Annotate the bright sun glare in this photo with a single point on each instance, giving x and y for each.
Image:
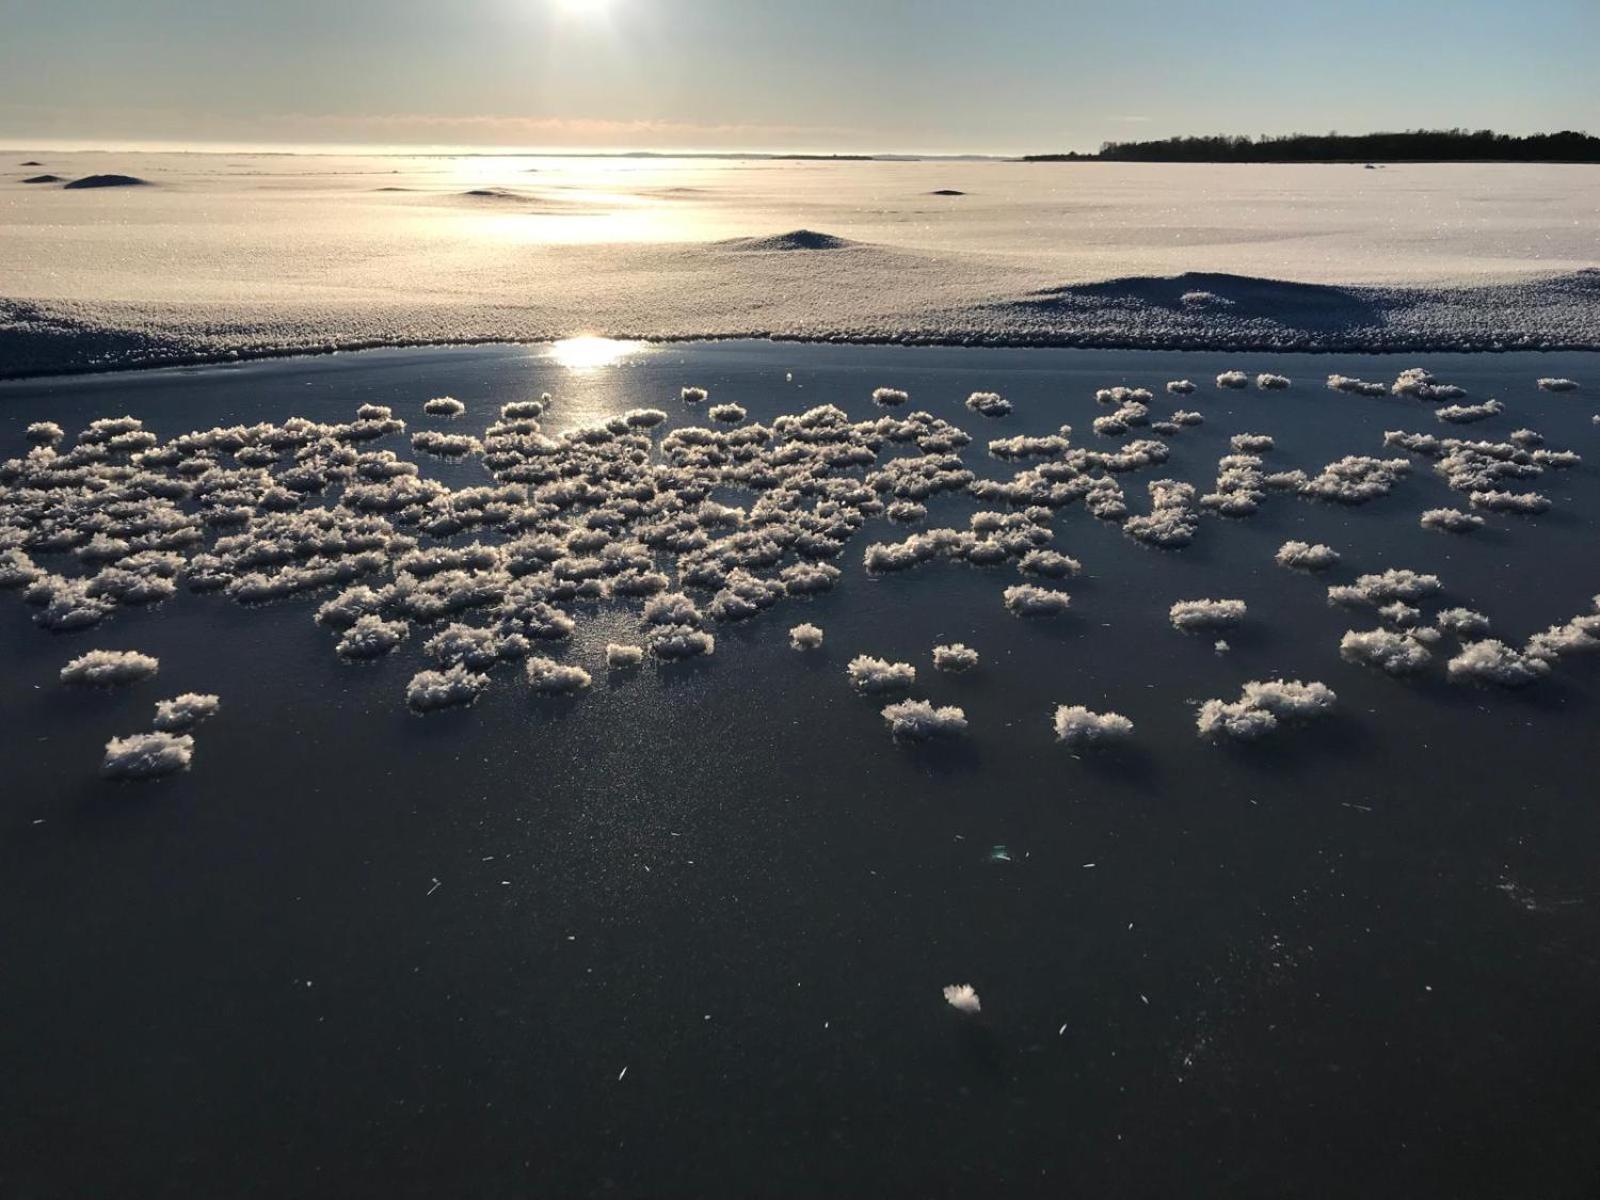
(584, 8)
(589, 353)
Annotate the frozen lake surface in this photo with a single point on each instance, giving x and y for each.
(686, 933)
(225, 254)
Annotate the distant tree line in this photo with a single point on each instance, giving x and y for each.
(1433, 145)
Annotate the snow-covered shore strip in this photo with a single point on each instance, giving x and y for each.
(821, 303)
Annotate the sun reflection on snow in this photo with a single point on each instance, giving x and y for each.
(589, 353)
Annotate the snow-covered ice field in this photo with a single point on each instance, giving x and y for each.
(231, 254)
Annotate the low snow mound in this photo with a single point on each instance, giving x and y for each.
(106, 181)
(1211, 300)
(493, 193)
(795, 239)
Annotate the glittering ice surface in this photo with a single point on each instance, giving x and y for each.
(686, 930)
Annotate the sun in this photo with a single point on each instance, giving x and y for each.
(584, 8)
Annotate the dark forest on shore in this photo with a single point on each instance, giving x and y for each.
(1427, 145)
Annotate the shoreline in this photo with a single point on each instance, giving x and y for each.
(241, 357)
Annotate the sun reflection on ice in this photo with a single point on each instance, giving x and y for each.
(590, 353)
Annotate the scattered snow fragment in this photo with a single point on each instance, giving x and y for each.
(955, 658)
(147, 755)
(429, 691)
(1356, 387)
(1451, 520)
(988, 404)
(620, 657)
(1027, 600)
(1191, 615)
(805, 637)
(870, 674)
(109, 668)
(1304, 556)
(1394, 653)
(184, 712)
(963, 998)
(918, 720)
(1077, 726)
(1494, 662)
(550, 678)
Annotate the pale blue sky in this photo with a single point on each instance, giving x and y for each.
(932, 76)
